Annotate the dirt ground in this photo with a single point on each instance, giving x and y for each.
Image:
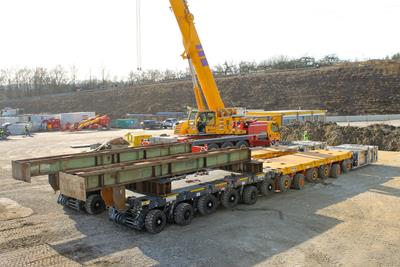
(350, 221)
(386, 137)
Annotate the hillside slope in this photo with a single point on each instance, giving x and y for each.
(359, 88)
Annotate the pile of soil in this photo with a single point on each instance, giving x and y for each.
(348, 89)
(386, 137)
(9, 209)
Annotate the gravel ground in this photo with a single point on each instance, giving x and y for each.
(350, 221)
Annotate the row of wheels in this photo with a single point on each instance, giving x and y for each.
(215, 146)
(312, 175)
(155, 220)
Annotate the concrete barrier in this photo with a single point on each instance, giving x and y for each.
(363, 118)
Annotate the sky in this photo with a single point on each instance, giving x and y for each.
(101, 34)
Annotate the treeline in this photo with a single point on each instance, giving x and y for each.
(27, 82)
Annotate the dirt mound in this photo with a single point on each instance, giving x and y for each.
(357, 88)
(385, 136)
(9, 209)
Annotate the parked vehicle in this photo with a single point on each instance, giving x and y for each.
(4, 133)
(169, 123)
(151, 124)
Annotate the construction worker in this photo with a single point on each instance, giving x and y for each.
(305, 136)
(27, 132)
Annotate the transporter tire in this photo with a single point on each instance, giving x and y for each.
(250, 194)
(298, 181)
(94, 204)
(267, 187)
(227, 145)
(155, 221)
(242, 144)
(183, 214)
(346, 166)
(207, 204)
(323, 171)
(230, 198)
(335, 171)
(284, 183)
(211, 147)
(312, 175)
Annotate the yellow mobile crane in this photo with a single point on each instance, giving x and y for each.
(211, 118)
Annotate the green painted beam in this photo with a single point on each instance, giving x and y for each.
(25, 169)
(96, 178)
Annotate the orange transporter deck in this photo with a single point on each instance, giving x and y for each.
(302, 161)
(272, 152)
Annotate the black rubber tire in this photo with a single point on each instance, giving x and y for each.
(183, 214)
(94, 204)
(312, 175)
(346, 166)
(284, 183)
(211, 147)
(250, 195)
(323, 171)
(155, 221)
(227, 145)
(267, 187)
(207, 204)
(230, 198)
(298, 181)
(335, 171)
(242, 144)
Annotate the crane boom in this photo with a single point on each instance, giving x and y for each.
(195, 53)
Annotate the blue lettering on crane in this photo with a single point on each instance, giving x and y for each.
(202, 55)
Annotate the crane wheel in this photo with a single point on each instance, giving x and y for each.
(267, 187)
(230, 198)
(183, 214)
(346, 166)
(312, 175)
(211, 147)
(155, 221)
(250, 194)
(323, 171)
(298, 181)
(207, 204)
(242, 144)
(335, 171)
(227, 145)
(284, 183)
(94, 204)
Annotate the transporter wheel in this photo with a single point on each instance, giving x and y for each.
(242, 144)
(267, 187)
(298, 181)
(155, 221)
(335, 171)
(312, 175)
(284, 183)
(323, 171)
(211, 147)
(183, 214)
(207, 204)
(94, 204)
(230, 198)
(227, 145)
(346, 166)
(250, 195)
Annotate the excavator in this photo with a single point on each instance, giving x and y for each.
(212, 119)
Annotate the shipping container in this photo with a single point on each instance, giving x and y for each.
(76, 117)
